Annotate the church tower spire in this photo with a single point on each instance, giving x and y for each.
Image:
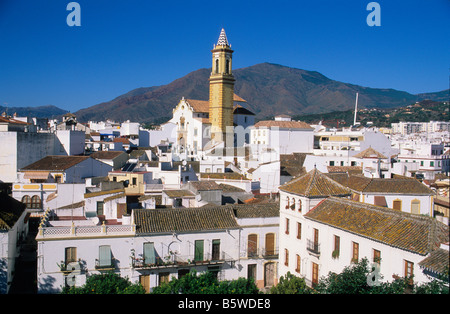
(221, 88)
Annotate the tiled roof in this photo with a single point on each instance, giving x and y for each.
(10, 211)
(205, 185)
(198, 105)
(315, 184)
(178, 193)
(184, 220)
(370, 153)
(398, 185)
(55, 163)
(437, 262)
(106, 154)
(283, 124)
(257, 210)
(416, 233)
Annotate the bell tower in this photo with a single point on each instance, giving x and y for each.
(221, 88)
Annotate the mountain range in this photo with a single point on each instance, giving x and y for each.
(269, 89)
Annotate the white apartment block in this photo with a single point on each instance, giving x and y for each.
(338, 232)
(152, 246)
(405, 128)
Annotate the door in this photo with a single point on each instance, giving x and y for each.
(315, 274)
(145, 282)
(270, 244)
(269, 274)
(216, 250)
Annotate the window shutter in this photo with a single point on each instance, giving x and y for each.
(149, 253)
(105, 255)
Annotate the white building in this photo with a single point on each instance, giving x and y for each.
(338, 232)
(151, 246)
(13, 231)
(282, 134)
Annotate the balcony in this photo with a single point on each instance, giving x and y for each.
(265, 253)
(175, 260)
(313, 247)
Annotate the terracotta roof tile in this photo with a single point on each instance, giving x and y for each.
(283, 124)
(370, 153)
(55, 163)
(184, 220)
(315, 184)
(416, 233)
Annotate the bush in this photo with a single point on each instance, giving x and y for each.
(206, 283)
(109, 283)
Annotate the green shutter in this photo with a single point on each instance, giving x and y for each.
(149, 253)
(105, 255)
(198, 256)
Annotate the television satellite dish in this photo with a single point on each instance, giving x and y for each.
(184, 162)
(96, 220)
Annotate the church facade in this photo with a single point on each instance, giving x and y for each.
(202, 125)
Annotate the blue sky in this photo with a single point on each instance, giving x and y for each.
(123, 45)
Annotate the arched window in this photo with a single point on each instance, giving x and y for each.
(35, 202)
(27, 201)
(287, 202)
(227, 67)
(217, 65)
(299, 205)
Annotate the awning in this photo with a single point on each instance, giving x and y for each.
(36, 175)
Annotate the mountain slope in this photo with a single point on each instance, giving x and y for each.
(38, 112)
(269, 89)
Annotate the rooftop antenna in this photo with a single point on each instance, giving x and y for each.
(356, 109)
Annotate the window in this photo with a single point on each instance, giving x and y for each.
(415, 206)
(35, 202)
(287, 226)
(27, 201)
(297, 264)
(270, 244)
(198, 254)
(217, 65)
(376, 256)
(337, 247)
(149, 253)
(215, 250)
(299, 230)
(397, 204)
(251, 271)
(134, 182)
(409, 269)
(105, 256)
(252, 245)
(421, 163)
(227, 67)
(299, 206)
(100, 208)
(70, 255)
(355, 252)
(286, 257)
(287, 202)
(195, 131)
(431, 163)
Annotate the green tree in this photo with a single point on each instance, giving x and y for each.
(206, 283)
(109, 283)
(353, 280)
(291, 284)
